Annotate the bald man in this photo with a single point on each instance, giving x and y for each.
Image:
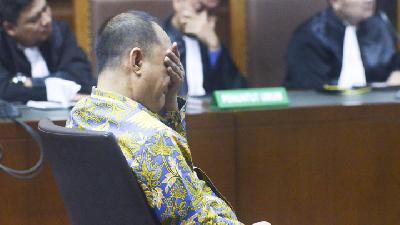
(136, 100)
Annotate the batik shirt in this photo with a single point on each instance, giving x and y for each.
(156, 149)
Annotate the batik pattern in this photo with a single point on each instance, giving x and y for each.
(158, 155)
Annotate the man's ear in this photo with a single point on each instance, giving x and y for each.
(9, 28)
(136, 60)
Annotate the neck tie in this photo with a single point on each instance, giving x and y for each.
(194, 67)
(38, 65)
(353, 72)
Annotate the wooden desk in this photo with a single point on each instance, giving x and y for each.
(328, 160)
(322, 165)
(325, 160)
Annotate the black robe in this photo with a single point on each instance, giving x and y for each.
(223, 75)
(314, 55)
(63, 57)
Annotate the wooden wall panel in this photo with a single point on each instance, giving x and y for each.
(62, 10)
(337, 169)
(81, 21)
(33, 202)
(238, 34)
(211, 139)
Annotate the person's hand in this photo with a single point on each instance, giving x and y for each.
(28, 83)
(202, 26)
(176, 73)
(394, 79)
(262, 223)
(78, 97)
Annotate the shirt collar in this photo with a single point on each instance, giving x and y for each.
(119, 99)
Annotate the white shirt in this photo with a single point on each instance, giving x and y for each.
(194, 67)
(39, 67)
(353, 72)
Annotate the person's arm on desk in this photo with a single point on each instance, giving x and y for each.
(394, 79)
(21, 92)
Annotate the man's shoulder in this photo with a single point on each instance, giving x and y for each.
(60, 28)
(148, 122)
(7, 45)
(61, 34)
(167, 23)
(4, 39)
(128, 115)
(316, 21)
(315, 30)
(2, 34)
(376, 24)
(171, 31)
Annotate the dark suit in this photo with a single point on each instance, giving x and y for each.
(63, 57)
(223, 75)
(314, 55)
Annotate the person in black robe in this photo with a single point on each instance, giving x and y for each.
(315, 53)
(28, 24)
(195, 19)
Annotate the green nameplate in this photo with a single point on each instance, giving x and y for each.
(251, 97)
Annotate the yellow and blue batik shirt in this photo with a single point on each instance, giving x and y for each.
(156, 149)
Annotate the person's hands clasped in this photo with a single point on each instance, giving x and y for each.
(202, 26)
(176, 73)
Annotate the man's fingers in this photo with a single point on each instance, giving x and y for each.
(172, 72)
(175, 50)
(173, 53)
(178, 68)
(176, 78)
(177, 71)
(173, 64)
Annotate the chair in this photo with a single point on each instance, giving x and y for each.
(97, 185)
(270, 24)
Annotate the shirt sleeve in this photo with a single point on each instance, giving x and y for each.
(213, 56)
(176, 119)
(16, 92)
(165, 172)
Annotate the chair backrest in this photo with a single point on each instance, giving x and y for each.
(101, 10)
(97, 185)
(270, 24)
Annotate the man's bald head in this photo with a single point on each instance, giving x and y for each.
(120, 34)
